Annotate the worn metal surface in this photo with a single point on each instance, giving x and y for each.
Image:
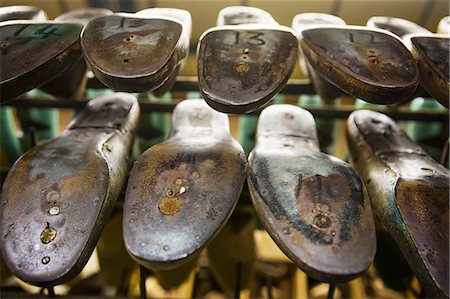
(245, 61)
(432, 53)
(181, 192)
(58, 195)
(185, 19)
(398, 26)
(307, 20)
(409, 194)
(312, 204)
(71, 84)
(322, 87)
(35, 53)
(368, 64)
(22, 12)
(131, 53)
(240, 68)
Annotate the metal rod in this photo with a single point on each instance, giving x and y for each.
(269, 287)
(326, 111)
(237, 283)
(51, 292)
(331, 291)
(422, 294)
(142, 287)
(33, 136)
(122, 288)
(445, 154)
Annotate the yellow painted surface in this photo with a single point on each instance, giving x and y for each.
(76, 4)
(356, 289)
(300, 285)
(267, 250)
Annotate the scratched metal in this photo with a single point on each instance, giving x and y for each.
(57, 197)
(185, 19)
(366, 64)
(312, 204)
(240, 68)
(433, 54)
(181, 192)
(303, 21)
(35, 53)
(71, 84)
(409, 193)
(237, 15)
(131, 53)
(398, 26)
(22, 12)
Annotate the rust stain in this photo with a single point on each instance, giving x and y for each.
(62, 56)
(48, 234)
(424, 206)
(242, 67)
(374, 59)
(131, 46)
(169, 206)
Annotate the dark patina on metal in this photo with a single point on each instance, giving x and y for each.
(71, 84)
(409, 194)
(301, 22)
(57, 197)
(432, 53)
(368, 64)
(312, 204)
(131, 53)
(243, 66)
(184, 17)
(240, 69)
(35, 53)
(181, 192)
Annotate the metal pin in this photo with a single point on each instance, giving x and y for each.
(142, 287)
(33, 136)
(237, 283)
(331, 291)
(51, 292)
(269, 287)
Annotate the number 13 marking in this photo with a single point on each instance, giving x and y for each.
(254, 38)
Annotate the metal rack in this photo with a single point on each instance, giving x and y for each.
(293, 87)
(267, 253)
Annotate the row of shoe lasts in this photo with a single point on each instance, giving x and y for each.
(58, 196)
(241, 64)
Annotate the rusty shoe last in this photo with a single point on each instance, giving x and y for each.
(409, 192)
(313, 205)
(57, 197)
(181, 192)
